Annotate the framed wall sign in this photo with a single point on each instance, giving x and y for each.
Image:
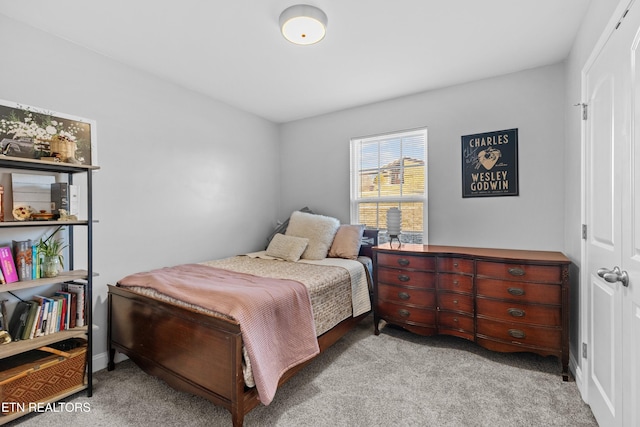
(490, 164)
(34, 133)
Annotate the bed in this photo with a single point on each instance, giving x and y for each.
(188, 340)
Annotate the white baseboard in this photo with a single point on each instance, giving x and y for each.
(577, 374)
(101, 360)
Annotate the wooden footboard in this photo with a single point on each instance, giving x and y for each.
(190, 351)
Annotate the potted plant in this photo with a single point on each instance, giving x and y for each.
(50, 250)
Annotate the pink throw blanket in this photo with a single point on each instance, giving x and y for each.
(275, 315)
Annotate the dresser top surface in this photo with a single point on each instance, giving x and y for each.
(502, 254)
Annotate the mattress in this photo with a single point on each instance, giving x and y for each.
(338, 288)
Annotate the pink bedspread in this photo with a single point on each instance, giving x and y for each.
(275, 315)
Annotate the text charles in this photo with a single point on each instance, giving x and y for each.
(487, 141)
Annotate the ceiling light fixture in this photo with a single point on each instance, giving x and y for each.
(303, 24)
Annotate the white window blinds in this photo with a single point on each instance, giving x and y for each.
(391, 171)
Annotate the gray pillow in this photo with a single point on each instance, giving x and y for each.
(282, 228)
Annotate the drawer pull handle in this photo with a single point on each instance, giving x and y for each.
(403, 262)
(403, 278)
(455, 282)
(404, 313)
(403, 295)
(517, 333)
(455, 301)
(516, 312)
(516, 291)
(455, 264)
(455, 319)
(516, 271)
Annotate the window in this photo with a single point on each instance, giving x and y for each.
(391, 171)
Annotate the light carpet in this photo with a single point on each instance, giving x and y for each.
(394, 379)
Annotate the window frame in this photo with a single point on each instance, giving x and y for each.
(355, 178)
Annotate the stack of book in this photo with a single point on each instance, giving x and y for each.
(47, 315)
(19, 262)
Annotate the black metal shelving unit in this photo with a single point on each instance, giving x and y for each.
(15, 163)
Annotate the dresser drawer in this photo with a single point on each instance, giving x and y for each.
(501, 299)
(403, 313)
(517, 333)
(410, 296)
(521, 313)
(455, 321)
(519, 291)
(427, 263)
(456, 302)
(455, 265)
(520, 272)
(455, 282)
(406, 277)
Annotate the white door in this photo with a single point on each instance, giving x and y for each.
(603, 248)
(612, 213)
(631, 238)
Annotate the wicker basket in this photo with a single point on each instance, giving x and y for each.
(65, 148)
(42, 374)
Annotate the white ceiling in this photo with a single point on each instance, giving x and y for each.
(374, 50)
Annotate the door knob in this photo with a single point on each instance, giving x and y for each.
(615, 275)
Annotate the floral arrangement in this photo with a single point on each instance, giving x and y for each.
(38, 127)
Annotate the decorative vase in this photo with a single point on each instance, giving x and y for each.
(51, 266)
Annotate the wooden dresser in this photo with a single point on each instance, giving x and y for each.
(503, 300)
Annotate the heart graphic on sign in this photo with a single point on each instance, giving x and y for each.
(489, 157)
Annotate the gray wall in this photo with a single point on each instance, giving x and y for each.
(183, 178)
(315, 158)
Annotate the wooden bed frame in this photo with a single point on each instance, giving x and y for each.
(190, 351)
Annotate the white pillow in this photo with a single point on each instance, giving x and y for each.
(288, 248)
(319, 229)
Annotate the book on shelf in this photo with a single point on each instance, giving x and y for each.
(19, 320)
(53, 316)
(73, 200)
(46, 315)
(37, 320)
(4, 320)
(61, 313)
(64, 319)
(23, 257)
(59, 198)
(65, 322)
(45, 305)
(34, 307)
(73, 310)
(7, 265)
(35, 260)
(2, 280)
(78, 289)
